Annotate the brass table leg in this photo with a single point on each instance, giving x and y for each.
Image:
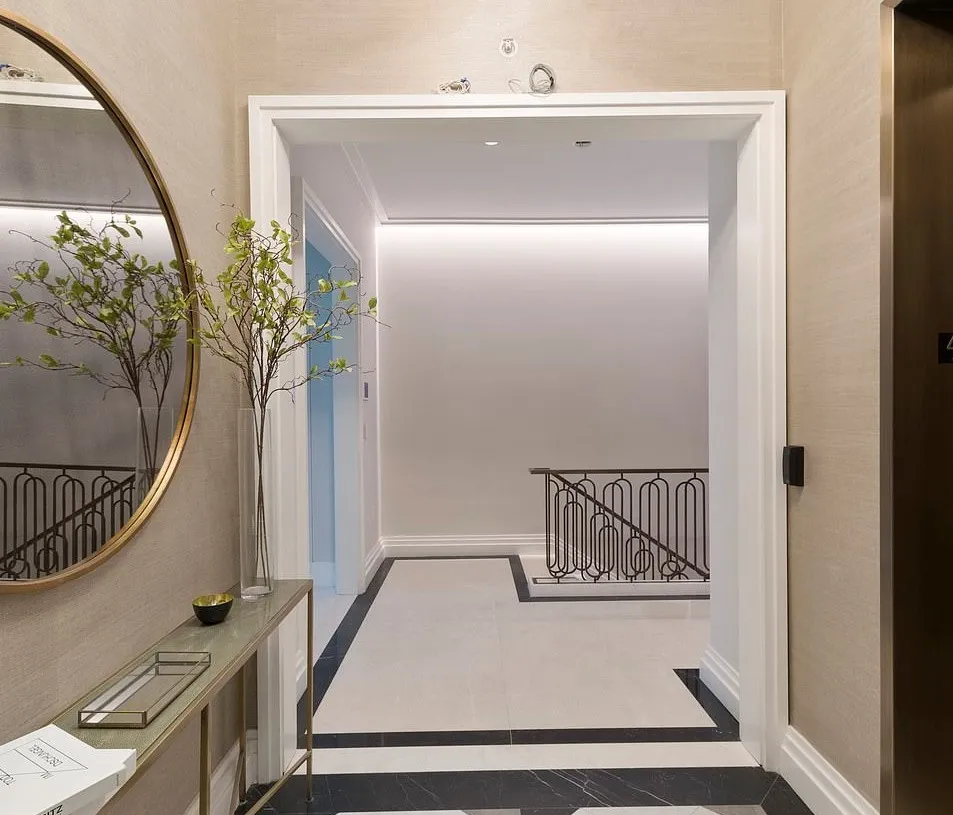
(242, 735)
(205, 767)
(310, 663)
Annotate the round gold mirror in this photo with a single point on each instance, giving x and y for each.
(97, 374)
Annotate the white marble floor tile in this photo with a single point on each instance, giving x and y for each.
(601, 673)
(342, 761)
(448, 646)
(436, 676)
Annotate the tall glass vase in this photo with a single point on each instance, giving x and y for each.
(255, 481)
(153, 439)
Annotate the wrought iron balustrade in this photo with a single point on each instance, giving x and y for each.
(626, 525)
(53, 516)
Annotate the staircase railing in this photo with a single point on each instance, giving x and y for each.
(627, 525)
(55, 515)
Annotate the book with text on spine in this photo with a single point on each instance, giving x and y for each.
(50, 772)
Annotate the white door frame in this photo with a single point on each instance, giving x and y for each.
(755, 120)
(348, 416)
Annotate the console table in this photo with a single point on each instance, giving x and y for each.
(231, 644)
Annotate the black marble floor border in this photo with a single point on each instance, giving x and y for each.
(522, 590)
(551, 791)
(725, 729)
(327, 665)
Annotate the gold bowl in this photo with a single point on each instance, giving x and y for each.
(211, 609)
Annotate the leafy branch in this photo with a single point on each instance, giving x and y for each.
(254, 317)
(100, 292)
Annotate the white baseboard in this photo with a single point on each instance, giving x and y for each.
(373, 562)
(223, 786)
(463, 545)
(813, 778)
(722, 679)
(251, 757)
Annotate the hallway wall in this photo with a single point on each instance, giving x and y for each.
(832, 71)
(168, 63)
(411, 46)
(510, 347)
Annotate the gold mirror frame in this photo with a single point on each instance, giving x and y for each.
(61, 53)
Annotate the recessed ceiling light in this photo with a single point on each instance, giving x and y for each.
(491, 143)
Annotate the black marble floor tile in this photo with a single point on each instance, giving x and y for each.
(548, 811)
(414, 791)
(417, 738)
(560, 790)
(457, 738)
(621, 735)
(291, 799)
(726, 725)
(640, 787)
(782, 800)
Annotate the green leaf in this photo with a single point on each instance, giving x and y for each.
(48, 361)
(372, 304)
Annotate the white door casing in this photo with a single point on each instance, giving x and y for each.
(755, 121)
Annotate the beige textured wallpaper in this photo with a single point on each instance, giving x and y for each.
(411, 46)
(168, 64)
(831, 69)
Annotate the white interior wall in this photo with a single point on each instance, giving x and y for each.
(328, 172)
(720, 664)
(510, 347)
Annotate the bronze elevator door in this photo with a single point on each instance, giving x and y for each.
(918, 419)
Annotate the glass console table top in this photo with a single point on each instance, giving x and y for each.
(229, 644)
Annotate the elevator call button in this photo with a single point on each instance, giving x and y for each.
(945, 348)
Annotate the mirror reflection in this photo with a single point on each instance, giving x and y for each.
(94, 360)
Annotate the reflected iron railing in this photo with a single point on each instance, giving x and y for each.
(627, 525)
(55, 515)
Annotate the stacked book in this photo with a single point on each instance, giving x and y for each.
(50, 772)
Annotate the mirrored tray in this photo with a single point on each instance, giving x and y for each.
(137, 697)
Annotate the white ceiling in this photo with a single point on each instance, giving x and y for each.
(609, 180)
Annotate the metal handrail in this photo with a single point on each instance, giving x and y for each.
(621, 518)
(597, 471)
(119, 486)
(91, 468)
(602, 503)
(68, 512)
